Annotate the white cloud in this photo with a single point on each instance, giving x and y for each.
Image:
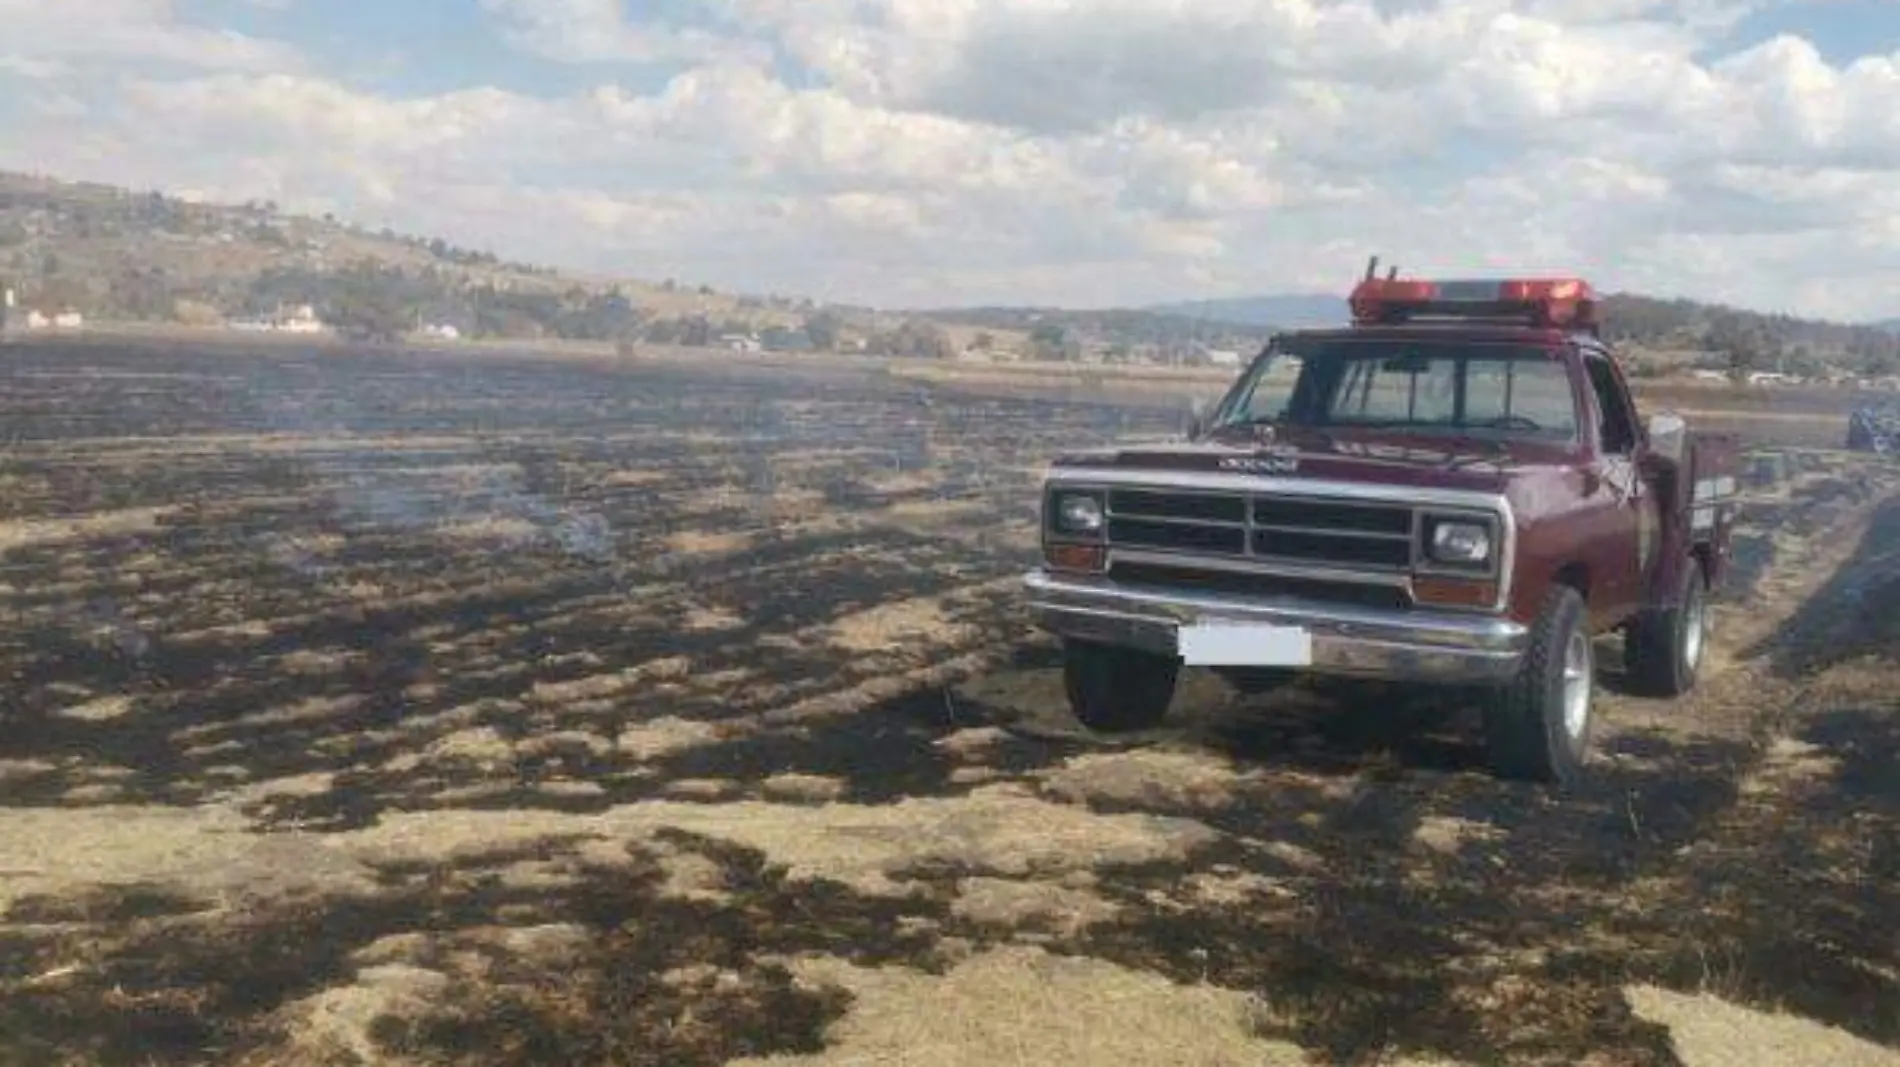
(598, 31)
(48, 35)
(1076, 151)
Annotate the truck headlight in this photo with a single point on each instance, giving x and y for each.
(1078, 513)
(1461, 542)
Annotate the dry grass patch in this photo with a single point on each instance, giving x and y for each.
(920, 621)
(701, 789)
(562, 742)
(1020, 1005)
(1708, 1032)
(888, 686)
(493, 529)
(338, 1024)
(664, 736)
(481, 747)
(1790, 762)
(23, 533)
(632, 479)
(1448, 834)
(1228, 887)
(102, 709)
(871, 848)
(702, 619)
(707, 542)
(318, 661)
(204, 852)
(1013, 905)
(810, 788)
(314, 784)
(315, 709)
(611, 684)
(1149, 778)
(932, 512)
(974, 743)
(909, 481)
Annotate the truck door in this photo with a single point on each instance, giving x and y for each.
(1626, 525)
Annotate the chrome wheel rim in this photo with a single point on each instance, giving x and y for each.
(1695, 629)
(1577, 670)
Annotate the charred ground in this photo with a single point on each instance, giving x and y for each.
(397, 708)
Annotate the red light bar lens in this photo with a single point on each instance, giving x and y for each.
(1558, 302)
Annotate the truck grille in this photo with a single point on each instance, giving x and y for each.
(1353, 594)
(1331, 533)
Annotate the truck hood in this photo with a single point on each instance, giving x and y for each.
(1424, 461)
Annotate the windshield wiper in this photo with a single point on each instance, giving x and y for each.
(1252, 422)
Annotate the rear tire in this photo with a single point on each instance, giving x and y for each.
(1663, 650)
(1114, 690)
(1537, 728)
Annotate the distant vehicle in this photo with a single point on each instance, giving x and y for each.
(1874, 429)
(1456, 489)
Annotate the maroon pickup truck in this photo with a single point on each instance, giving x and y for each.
(1456, 489)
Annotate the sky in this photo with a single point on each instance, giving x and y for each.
(1086, 153)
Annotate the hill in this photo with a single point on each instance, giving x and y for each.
(126, 256)
(1711, 334)
(129, 256)
(1288, 311)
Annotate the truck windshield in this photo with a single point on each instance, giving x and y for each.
(1450, 386)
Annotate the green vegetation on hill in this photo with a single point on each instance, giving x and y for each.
(1750, 340)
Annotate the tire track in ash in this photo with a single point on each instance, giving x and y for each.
(300, 611)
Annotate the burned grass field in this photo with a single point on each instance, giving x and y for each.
(391, 709)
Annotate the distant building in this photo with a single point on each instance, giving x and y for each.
(1201, 355)
(783, 339)
(59, 320)
(300, 319)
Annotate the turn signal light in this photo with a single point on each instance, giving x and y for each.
(1454, 592)
(1088, 558)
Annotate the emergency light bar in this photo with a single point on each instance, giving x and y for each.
(1568, 303)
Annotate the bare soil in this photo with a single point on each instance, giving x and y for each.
(388, 708)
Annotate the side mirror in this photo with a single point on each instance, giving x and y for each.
(1668, 434)
(1197, 419)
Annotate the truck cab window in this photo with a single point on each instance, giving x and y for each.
(1615, 426)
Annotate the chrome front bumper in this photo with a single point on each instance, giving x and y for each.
(1423, 646)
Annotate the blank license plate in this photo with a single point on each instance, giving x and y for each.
(1245, 644)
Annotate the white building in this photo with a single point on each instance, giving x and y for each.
(59, 320)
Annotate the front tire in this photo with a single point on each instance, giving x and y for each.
(1115, 690)
(1663, 650)
(1538, 727)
